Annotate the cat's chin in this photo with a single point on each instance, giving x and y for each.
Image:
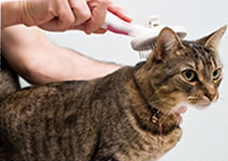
(181, 109)
(178, 111)
(202, 105)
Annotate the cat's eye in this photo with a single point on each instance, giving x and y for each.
(216, 74)
(189, 75)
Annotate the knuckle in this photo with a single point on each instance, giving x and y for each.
(71, 21)
(67, 20)
(85, 16)
(81, 16)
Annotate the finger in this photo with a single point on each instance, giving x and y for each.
(79, 27)
(119, 11)
(63, 17)
(82, 28)
(81, 11)
(100, 31)
(53, 25)
(99, 10)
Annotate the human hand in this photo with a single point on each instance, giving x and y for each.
(54, 15)
(98, 15)
(61, 15)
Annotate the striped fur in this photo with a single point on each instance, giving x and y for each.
(109, 119)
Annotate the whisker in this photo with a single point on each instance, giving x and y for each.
(220, 98)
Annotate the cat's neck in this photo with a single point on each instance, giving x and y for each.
(144, 86)
(146, 106)
(144, 81)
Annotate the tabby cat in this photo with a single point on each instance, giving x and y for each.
(9, 80)
(129, 115)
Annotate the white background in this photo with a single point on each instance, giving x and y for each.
(205, 132)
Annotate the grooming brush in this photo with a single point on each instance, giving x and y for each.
(144, 38)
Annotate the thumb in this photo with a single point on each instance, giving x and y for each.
(82, 28)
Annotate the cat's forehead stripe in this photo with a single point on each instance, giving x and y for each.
(205, 58)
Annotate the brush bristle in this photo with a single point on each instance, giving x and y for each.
(147, 41)
(144, 54)
(145, 50)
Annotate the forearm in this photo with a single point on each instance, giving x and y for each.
(37, 60)
(70, 65)
(62, 64)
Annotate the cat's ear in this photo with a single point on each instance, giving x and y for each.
(167, 42)
(213, 39)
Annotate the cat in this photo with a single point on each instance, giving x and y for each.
(129, 115)
(9, 79)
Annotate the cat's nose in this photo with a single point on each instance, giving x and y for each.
(210, 92)
(212, 96)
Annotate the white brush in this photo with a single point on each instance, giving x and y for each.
(144, 38)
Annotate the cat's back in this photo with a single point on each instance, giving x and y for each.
(59, 120)
(9, 81)
(43, 101)
(44, 93)
(51, 98)
(45, 122)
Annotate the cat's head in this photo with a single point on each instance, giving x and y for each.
(185, 71)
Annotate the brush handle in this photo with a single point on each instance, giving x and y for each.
(119, 26)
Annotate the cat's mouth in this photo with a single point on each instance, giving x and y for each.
(202, 105)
